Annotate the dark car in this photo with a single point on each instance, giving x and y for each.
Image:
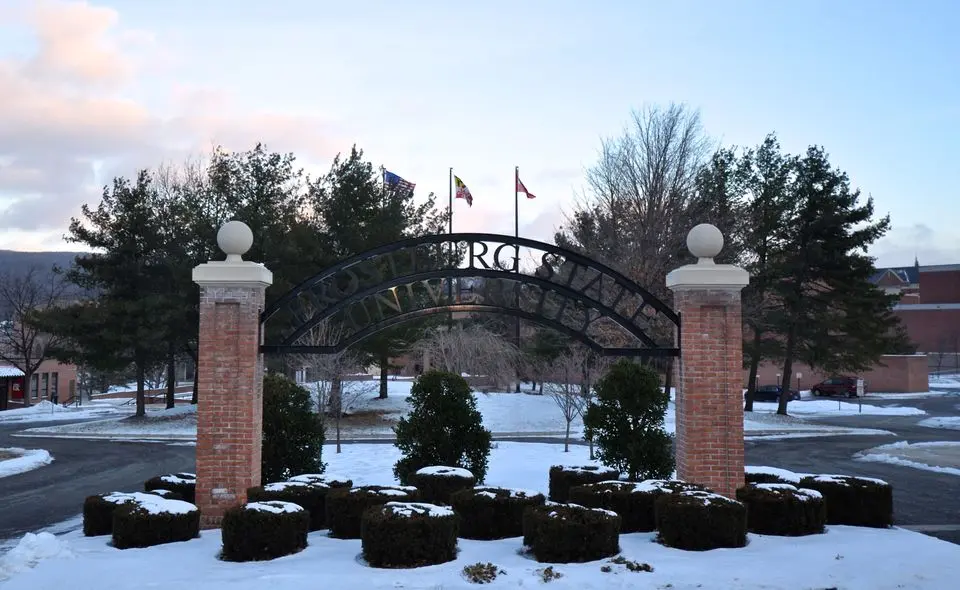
(771, 393)
(846, 386)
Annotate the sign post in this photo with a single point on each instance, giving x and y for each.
(860, 392)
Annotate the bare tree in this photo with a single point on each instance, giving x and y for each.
(334, 396)
(22, 344)
(472, 350)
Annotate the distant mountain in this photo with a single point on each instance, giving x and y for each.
(20, 263)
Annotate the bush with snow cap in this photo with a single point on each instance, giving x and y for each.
(762, 474)
(633, 501)
(855, 501)
(166, 494)
(409, 534)
(264, 530)
(568, 533)
(345, 506)
(698, 521)
(312, 497)
(182, 483)
(783, 509)
(152, 520)
(493, 513)
(98, 510)
(437, 482)
(564, 477)
(329, 480)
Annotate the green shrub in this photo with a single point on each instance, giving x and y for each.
(566, 533)
(324, 479)
(626, 422)
(166, 494)
(699, 521)
(633, 501)
(856, 501)
(781, 509)
(184, 484)
(345, 506)
(443, 427)
(436, 483)
(149, 523)
(264, 530)
(481, 573)
(98, 511)
(312, 498)
(292, 432)
(492, 513)
(564, 477)
(409, 534)
(770, 475)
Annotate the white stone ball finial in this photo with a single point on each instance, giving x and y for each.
(235, 239)
(705, 241)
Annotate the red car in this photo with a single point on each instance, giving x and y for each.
(836, 386)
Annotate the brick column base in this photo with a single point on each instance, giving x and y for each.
(709, 414)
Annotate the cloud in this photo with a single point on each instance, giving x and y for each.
(902, 244)
(69, 119)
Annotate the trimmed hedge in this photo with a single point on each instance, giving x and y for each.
(183, 483)
(856, 501)
(264, 530)
(699, 521)
(145, 524)
(564, 477)
(755, 474)
(493, 513)
(567, 533)
(436, 483)
(98, 510)
(324, 479)
(633, 501)
(345, 506)
(166, 494)
(409, 534)
(781, 509)
(312, 498)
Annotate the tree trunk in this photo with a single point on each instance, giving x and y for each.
(27, 382)
(566, 439)
(384, 373)
(141, 397)
(787, 368)
(754, 367)
(541, 388)
(171, 380)
(196, 376)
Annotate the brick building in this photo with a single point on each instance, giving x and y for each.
(51, 381)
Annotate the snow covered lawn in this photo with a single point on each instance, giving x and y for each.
(49, 412)
(948, 422)
(179, 423)
(16, 460)
(941, 456)
(826, 408)
(843, 557)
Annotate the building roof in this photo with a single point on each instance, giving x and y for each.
(8, 371)
(909, 275)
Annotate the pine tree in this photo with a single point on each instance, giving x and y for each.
(830, 314)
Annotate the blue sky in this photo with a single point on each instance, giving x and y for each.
(423, 86)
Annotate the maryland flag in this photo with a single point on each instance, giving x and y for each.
(462, 191)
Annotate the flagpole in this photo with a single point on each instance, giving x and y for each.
(450, 230)
(516, 234)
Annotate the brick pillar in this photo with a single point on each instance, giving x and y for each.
(709, 404)
(230, 375)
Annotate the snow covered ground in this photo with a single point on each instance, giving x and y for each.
(940, 456)
(844, 557)
(49, 412)
(948, 422)
(23, 460)
(516, 414)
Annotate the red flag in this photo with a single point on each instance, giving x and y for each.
(523, 189)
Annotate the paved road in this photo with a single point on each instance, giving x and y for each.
(54, 493)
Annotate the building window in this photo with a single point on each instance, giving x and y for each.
(55, 386)
(34, 385)
(45, 385)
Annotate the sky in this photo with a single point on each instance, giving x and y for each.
(93, 90)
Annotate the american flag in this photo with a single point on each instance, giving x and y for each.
(397, 183)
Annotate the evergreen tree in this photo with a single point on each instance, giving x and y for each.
(830, 315)
(626, 421)
(293, 432)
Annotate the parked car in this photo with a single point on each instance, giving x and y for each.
(771, 393)
(846, 386)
